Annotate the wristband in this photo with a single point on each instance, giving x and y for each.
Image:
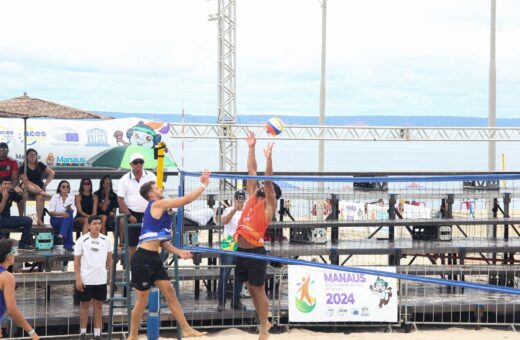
(203, 186)
(31, 332)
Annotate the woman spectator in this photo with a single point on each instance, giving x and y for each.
(107, 203)
(61, 209)
(86, 204)
(34, 181)
(7, 287)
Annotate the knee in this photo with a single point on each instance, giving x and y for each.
(141, 303)
(169, 294)
(255, 290)
(85, 305)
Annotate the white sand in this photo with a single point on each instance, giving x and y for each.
(302, 334)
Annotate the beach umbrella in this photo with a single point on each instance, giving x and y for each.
(26, 107)
(119, 157)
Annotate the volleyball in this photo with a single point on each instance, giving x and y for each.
(274, 126)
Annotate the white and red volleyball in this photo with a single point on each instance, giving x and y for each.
(274, 126)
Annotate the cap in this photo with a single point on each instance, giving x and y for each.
(240, 195)
(136, 156)
(4, 145)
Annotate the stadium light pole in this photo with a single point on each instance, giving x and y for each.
(492, 108)
(321, 152)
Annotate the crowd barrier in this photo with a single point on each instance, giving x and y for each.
(419, 303)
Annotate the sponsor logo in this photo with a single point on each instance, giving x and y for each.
(33, 136)
(6, 135)
(65, 135)
(70, 161)
(355, 311)
(342, 311)
(329, 311)
(305, 300)
(364, 311)
(49, 160)
(97, 138)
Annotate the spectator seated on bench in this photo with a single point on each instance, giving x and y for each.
(33, 181)
(7, 196)
(61, 209)
(107, 204)
(86, 205)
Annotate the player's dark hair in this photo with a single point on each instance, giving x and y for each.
(5, 248)
(145, 189)
(93, 218)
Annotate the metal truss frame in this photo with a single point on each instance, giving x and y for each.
(347, 133)
(227, 87)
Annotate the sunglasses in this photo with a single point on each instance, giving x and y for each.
(87, 183)
(4, 149)
(12, 252)
(138, 161)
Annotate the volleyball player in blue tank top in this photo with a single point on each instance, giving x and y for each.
(7, 286)
(146, 265)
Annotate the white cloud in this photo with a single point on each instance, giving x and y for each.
(383, 57)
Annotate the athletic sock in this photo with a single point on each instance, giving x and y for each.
(83, 331)
(97, 331)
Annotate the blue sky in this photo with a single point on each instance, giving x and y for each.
(398, 57)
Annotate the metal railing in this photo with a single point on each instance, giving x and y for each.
(46, 300)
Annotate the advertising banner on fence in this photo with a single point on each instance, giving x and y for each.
(322, 295)
(72, 143)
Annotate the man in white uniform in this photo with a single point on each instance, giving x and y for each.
(130, 200)
(92, 259)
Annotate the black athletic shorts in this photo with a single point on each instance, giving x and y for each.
(146, 267)
(96, 292)
(135, 232)
(251, 270)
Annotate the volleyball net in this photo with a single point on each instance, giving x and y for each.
(433, 235)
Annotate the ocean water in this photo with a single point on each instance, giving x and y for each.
(302, 156)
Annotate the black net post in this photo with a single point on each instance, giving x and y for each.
(334, 233)
(450, 201)
(334, 215)
(507, 201)
(392, 200)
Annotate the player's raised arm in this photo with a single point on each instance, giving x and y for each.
(270, 197)
(251, 162)
(186, 199)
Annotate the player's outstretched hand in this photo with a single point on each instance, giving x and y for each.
(184, 254)
(251, 139)
(204, 178)
(268, 151)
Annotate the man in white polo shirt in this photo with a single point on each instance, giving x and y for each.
(130, 200)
